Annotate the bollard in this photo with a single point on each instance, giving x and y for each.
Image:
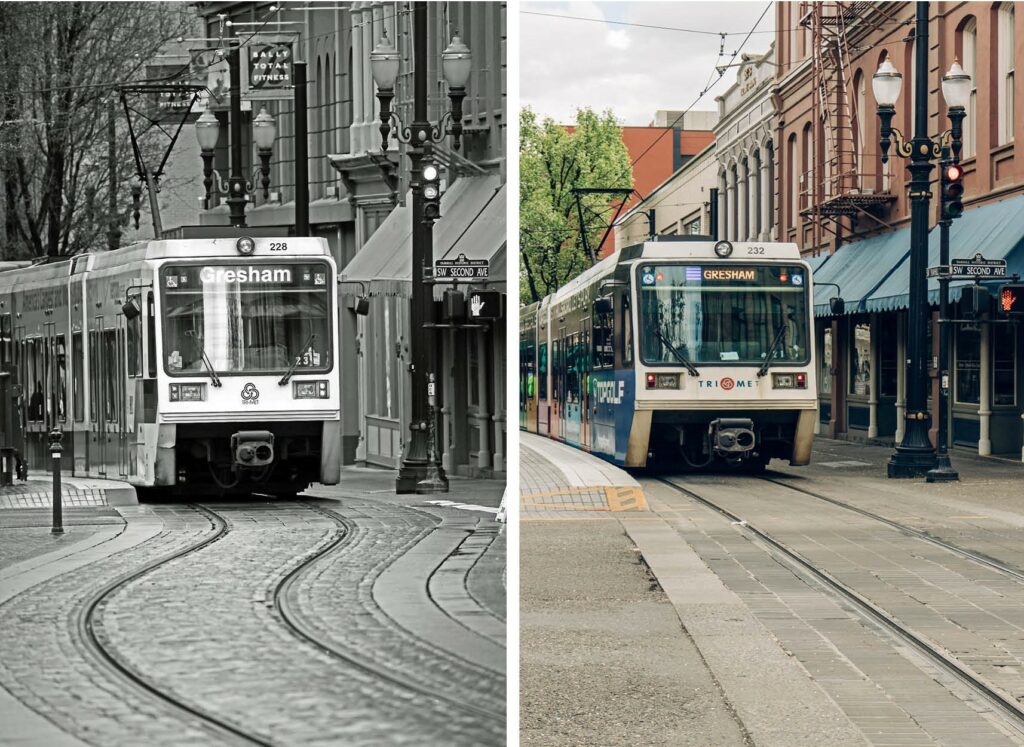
(55, 451)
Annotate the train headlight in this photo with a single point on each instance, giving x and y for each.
(245, 246)
(789, 380)
(188, 393)
(723, 249)
(662, 381)
(311, 390)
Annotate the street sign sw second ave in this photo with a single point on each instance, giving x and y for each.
(975, 267)
(461, 269)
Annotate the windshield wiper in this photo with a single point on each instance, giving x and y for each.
(679, 356)
(779, 334)
(202, 351)
(295, 363)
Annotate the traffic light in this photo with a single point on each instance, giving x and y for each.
(1011, 300)
(430, 183)
(952, 191)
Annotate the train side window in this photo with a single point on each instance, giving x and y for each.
(110, 371)
(603, 334)
(151, 348)
(61, 383)
(6, 340)
(34, 381)
(78, 376)
(627, 332)
(556, 369)
(542, 371)
(133, 333)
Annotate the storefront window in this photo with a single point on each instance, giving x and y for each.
(860, 359)
(968, 365)
(825, 374)
(887, 366)
(1004, 357)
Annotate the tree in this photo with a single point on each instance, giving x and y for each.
(60, 64)
(552, 162)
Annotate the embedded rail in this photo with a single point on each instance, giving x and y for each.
(1002, 702)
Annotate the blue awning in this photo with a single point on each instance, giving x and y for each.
(859, 269)
(874, 274)
(996, 231)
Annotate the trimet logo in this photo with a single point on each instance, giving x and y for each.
(250, 394)
(727, 383)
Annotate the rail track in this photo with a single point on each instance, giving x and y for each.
(212, 723)
(293, 619)
(1003, 702)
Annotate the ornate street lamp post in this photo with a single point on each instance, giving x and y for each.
(264, 130)
(421, 471)
(914, 456)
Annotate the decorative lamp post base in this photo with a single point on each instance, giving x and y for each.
(911, 461)
(943, 471)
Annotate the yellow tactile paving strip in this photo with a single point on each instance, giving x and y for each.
(592, 498)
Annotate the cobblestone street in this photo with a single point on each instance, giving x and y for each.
(347, 616)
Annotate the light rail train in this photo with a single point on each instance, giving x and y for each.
(192, 364)
(681, 352)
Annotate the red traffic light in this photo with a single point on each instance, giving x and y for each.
(954, 172)
(1011, 300)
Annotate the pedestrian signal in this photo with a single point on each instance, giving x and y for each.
(1011, 300)
(975, 301)
(952, 191)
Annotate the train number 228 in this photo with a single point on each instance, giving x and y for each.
(278, 246)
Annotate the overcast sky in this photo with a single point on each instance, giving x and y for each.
(566, 64)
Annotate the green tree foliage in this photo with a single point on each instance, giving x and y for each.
(59, 65)
(553, 162)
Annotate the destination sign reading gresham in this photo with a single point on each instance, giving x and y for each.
(305, 275)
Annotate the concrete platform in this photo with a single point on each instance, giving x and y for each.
(76, 492)
(558, 479)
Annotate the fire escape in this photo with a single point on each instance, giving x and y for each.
(839, 189)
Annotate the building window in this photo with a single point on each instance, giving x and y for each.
(860, 360)
(692, 228)
(1005, 52)
(1004, 360)
(888, 366)
(969, 49)
(968, 365)
(825, 372)
(792, 186)
(859, 119)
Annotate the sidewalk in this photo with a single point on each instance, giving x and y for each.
(558, 480)
(78, 492)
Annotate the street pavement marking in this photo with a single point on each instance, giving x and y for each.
(625, 499)
(466, 506)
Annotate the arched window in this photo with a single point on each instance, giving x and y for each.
(793, 196)
(1004, 77)
(769, 152)
(859, 120)
(806, 166)
(968, 45)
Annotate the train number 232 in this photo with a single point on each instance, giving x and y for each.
(750, 249)
(278, 246)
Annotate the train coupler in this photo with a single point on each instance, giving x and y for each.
(252, 448)
(732, 437)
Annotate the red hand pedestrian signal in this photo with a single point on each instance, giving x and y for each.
(1011, 300)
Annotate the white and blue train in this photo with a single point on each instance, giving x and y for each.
(682, 352)
(192, 364)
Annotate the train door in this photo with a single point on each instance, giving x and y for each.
(543, 408)
(558, 409)
(585, 386)
(98, 401)
(573, 401)
(121, 393)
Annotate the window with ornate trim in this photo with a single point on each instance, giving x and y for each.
(969, 50)
(1005, 67)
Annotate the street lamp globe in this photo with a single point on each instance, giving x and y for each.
(886, 84)
(264, 130)
(207, 131)
(956, 87)
(456, 63)
(384, 64)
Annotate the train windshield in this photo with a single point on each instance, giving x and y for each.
(723, 314)
(246, 318)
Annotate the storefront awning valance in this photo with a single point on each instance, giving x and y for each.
(858, 269)
(472, 223)
(874, 274)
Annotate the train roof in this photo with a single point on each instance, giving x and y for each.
(222, 248)
(705, 249)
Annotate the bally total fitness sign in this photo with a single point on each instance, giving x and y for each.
(268, 68)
